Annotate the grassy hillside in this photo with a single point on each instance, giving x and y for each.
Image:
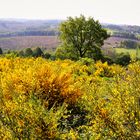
(41, 99)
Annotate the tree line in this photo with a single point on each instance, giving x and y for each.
(30, 33)
(28, 52)
(125, 35)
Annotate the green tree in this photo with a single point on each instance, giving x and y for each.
(47, 55)
(28, 52)
(37, 52)
(129, 44)
(123, 59)
(81, 37)
(21, 53)
(1, 52)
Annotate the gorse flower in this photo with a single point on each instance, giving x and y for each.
(41, 99)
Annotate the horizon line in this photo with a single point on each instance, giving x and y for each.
(60, 19)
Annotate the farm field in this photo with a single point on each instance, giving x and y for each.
(22, 42)
(46, 42)
(115, 42)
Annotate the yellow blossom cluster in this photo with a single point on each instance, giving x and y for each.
(43, 99)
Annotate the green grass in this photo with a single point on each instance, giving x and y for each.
(132, 52)
(138, 36)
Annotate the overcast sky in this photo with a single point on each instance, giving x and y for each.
(107, 11)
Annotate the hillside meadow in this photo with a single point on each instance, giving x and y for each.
(43, 99)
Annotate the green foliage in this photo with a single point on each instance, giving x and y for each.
(47, 55)
(125, 35)
(37, 52)
(108, 59)
(132, 52)
(86, 61)
(28, 52)
(52, 57)
(21, 53)
(81, 37)
(123, 59)
(129, 44)
(138, 53)
(11, 54)
(1, 52)
(63, 52)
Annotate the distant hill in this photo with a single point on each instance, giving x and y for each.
(13, 27)
(10, 28)
(123, 31)
(123, 28)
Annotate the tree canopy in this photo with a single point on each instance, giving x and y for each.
(81, 37)
(1, 52)
(37, 52)
(28, 52)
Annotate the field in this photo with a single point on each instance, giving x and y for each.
(115, 42)
(132, 52)
(66, 100)
(46, 42)
(22, 42)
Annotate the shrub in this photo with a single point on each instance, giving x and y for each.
(87, 61)
(41, 99)
(1, 52)
(123, 59)
(47, 55)
(37, 52)
(28, 52)
(107, 59)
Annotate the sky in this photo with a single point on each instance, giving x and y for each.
(106, 11)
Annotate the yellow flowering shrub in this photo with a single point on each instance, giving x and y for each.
(42, 99)
(104, 70)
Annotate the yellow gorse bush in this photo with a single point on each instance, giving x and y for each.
(42, 99)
